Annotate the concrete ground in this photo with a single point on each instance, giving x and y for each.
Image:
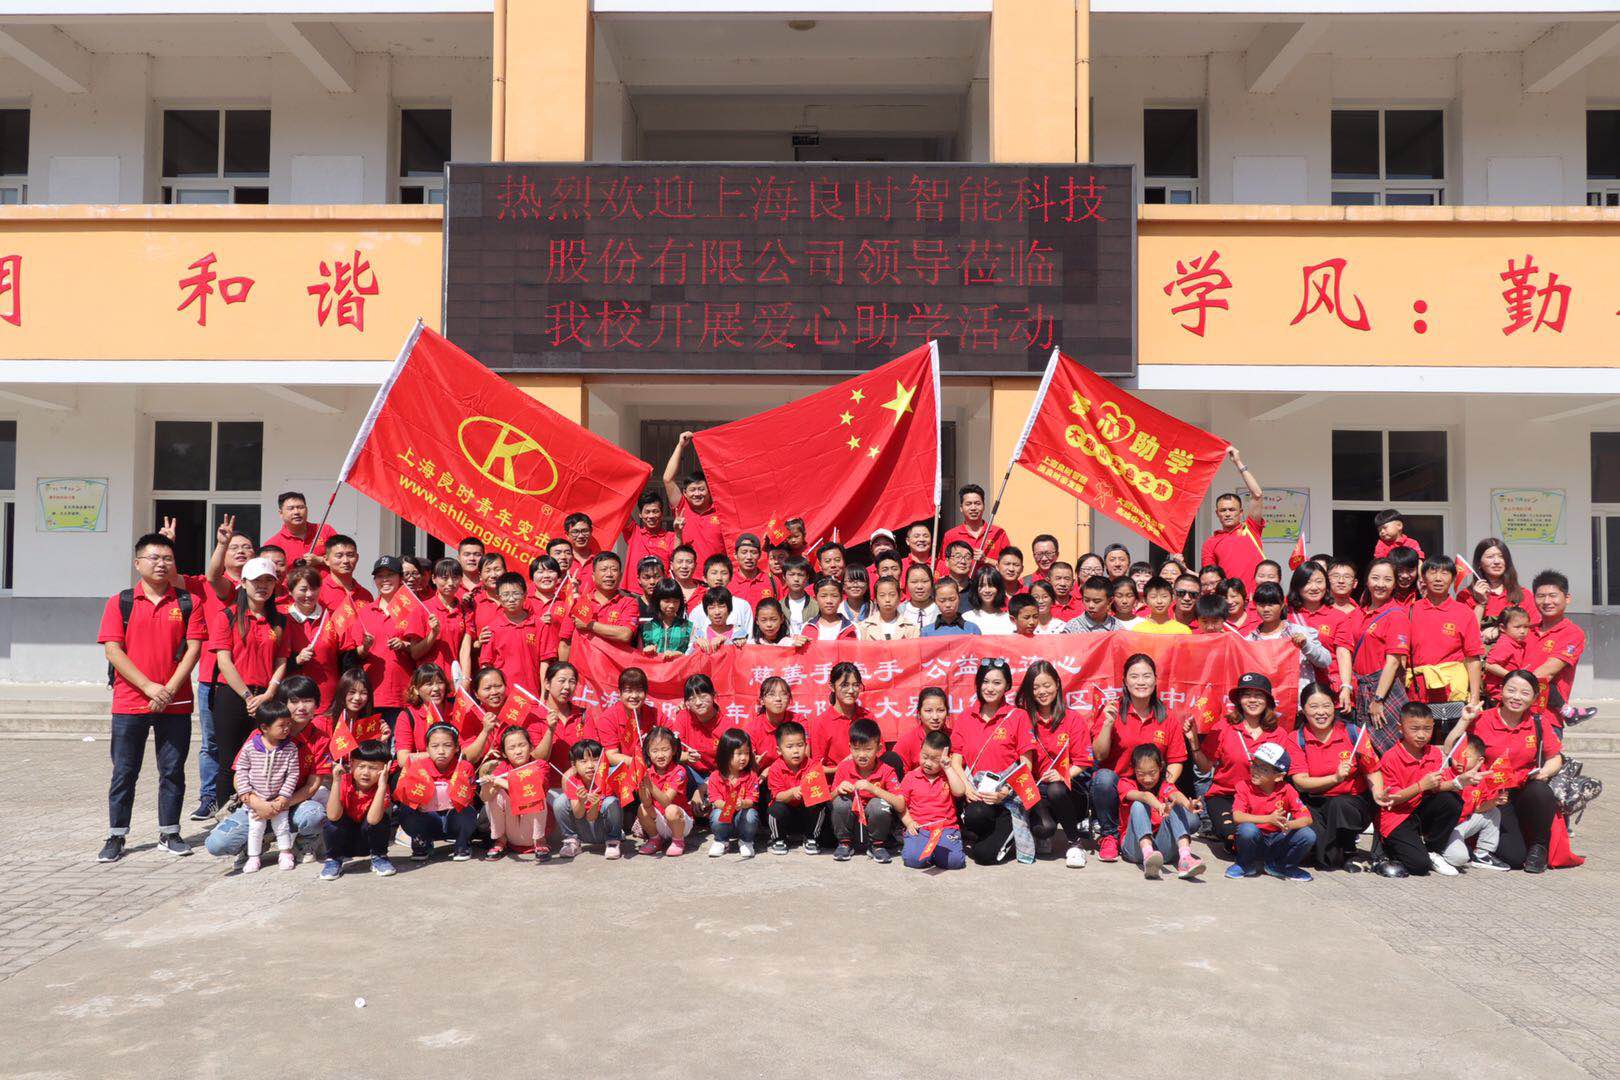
(784, 966)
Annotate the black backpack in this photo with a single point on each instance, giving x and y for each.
(126, 606)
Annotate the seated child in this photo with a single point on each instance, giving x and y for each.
(357, 811)
(928, 810)
(863, 794)
(1418, 808)
(1481, 814)
(266, 777)
(733, 795)
(306, 806)
(787, 813)
(585, 813)
(1273, 826)
(447, 813)
(933, 714)
(521, 832)
(664, 810)
(1156, 820)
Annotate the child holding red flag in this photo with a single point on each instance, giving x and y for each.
(863, 792)
(1330, 772)
(775, 701)
(427, 702)
(733, 791)
(1156, 820)
(1507, 652)
(928, 811)
(436, 794)
(588, 811)
(1481, 819)
(515, 798)
(1226, 749)
(664, 810)
(357, 811)
(788, 780)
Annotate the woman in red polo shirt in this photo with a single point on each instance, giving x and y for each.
(1226, 749)
(1330, 767)
(249, 642)
(1522, 752)
(1117, 732)
(1308, 606)
(1376, 639)
(1496, 587)
(988, 738)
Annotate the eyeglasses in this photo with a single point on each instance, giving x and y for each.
(157, 560)
(1189, 593)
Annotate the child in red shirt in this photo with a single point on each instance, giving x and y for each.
(775, 705)
(733, 791)
(521, 832)
(357, 811)
(1273, 827)
(933, 714)
(784, 781)
(587, 811)
(1507, 654)
(863, 793)
(928, 810)
(1417, 806)
(663, 808)
(427, 703)
(1156, 820)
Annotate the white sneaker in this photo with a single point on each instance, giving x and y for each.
(1153, 866)
(1074, 858)
(1441, 867)
(745, 849)
(717, 848)
(252, 865)
(611, 851)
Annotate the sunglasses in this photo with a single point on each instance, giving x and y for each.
(1187, 592)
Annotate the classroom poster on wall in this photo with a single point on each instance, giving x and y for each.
(71, 504)
(1528, 515)
(1285, 510)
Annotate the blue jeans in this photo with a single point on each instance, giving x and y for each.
(229, 837)
(1283, 849)
(172, 739)
(456, 826)
(207, 755)
(1105, 802)
(1176, 824)
(947, 854)
(744, 827)
(608, 828)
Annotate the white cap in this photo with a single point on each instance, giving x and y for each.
(258, 568)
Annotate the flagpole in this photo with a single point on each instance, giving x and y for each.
(939, 450)
(1023, 436)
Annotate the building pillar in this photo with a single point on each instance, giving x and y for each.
(564, 393)
(1040, 107)
(542, 81)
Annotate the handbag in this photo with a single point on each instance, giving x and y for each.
(1573, 791)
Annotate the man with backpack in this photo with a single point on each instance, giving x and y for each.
(152, 635)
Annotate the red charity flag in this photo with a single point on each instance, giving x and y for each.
(455, 449)
(871, 442)
(343, 742)
(415, 787)
(343, 615)
(1118, 454)
(630, 776)
(933, 842)
(581, 608)
(526, 788)
(1296, 557)
(371, 727)
(1022, 781)
(813, 789)
(513, 710)
(467, 718)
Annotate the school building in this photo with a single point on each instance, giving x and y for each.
(1373, 248)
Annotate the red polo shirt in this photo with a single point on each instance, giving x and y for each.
(882, 776)
(928, 799)
(1072, 608)
(991, 743)
(452, 628)
(297, 548)
(1381, 549)
(752, 589)
(779, 777)
(1225, 746)
(829, 735)
(1070, 738)
(1517, 744)
(1497, 602)
(1505, 653)
(1563, 640)
(908, 747)
(1317, 758)
(1329, 625)
(314, 742)
(1131, 731)
(357, 803)
(616, 729)
(1443, 633)
(323, 665)
(255, 649)
(333, 593)
(1251, 800)
(988, 542)
(154, 634)
(389, 672)
(1401, 770)
(701, 532)
(701, 736)
(639, 543)
(514, 648)
(565, 732)
(1237, 551)
(620, 609)
(1380, 634)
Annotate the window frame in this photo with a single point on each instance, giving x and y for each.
(18, 182)
(1445, 511)
(410, 539)
(171, 186)
(1190, 186)
(212, 497)
(1383, 187)
(8, 521)
(431, 187)
(1604, 516)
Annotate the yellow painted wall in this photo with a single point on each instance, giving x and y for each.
(548, 80)
(565, 393)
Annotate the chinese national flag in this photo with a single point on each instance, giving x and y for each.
(526, 788)
(415, 787)
(871, 443)
(1118, 454)
(813, 789)
(1022, 781)
(1296, 557)
(454, 449)
(343, 741)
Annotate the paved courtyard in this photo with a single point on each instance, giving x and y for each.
(791, 966)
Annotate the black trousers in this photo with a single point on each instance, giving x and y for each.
(1219, 809)
(1527, 819)
(1337, 821)
(232, 726)
(1426, 830)
(1060, 805)
(987, 832)
(880, 821)
(796, 819)
(350, 839)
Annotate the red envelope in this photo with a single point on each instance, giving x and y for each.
(526, 788)
(813, 789)
(1022, 781)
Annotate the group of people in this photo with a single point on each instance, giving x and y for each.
(440, 702)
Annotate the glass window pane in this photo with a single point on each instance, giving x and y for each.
(247, 519)
(1181, 196)
(435, 196)
(410, 195)
(1355, 144)
(1355, 198)
(1606, 466)
(190, 142)
(1358, 466)
(1354, 535)
(197, 196)
(190, 521)
(180, 455)
(247, 142)
(241, 455)
(1611, 555)
(1603, 144)
(1411, 198)
(8, 455)
(8, 571)
(1417, 466)
(1414, 144)
(1429, 530)
(1597, 561)
(1153, 196)
(13, 142)
(424, 141)
(256, 196)
(1170, 142)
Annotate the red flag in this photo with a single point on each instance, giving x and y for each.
(455, 449)
(342, 615)
(371, 727)
(813, 789)
(1463, 568)
(415, 787)
(581, 608)
(467, 715)
(630, 774)
(526, 788)
(1022, 781)
(1296, 558)
(343, 741)
(933, 841)
(1142, 467)
(871, 442)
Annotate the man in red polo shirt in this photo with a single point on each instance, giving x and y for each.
(1554, 648)
(604, 611)
(694, 507)
(297, 537)
(647, 534)
(1445, 634)
(985, 540)
(469, 553)
(342, 556)
(1235, 547)
(396, 633)
(749, 582)
(151, 654)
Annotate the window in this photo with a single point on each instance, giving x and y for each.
(201, 471)
(424, 147)
(8, 501)
(413, 541)
(207, 151)
(1389, 157)
(13, 156)
(1606, 518)
(1170, 155)
(1373, 470)
(1603, 157)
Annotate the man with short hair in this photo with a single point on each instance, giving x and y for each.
(984, 540)
(695, 511)
(603, 611)
(297, 537)
(469, 553)
(342, 556)
(1235, 547)
(1044, 550)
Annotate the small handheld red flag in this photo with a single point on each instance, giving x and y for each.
(933, 842)
(1022, 781)
(728, 805)
(1296, 557)
(512, 713)
(371, 727)
(467, 716)
(813, 789)
(580, 609)
(343, 741)
(415, 787)
(630, 776)
(526, 788)
(462, 789)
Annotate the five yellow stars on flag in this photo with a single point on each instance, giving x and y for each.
(900, 404)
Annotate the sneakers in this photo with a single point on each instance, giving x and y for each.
(421, 850)
(460, 855)
(1487, 861)
(252, 865)
(879, 854)
(811, 847)
(612, 849)
(1391, 869)
(1108, 849)
(1535, 860)
(112, 850)
(287, 860)
(206, 809)
(717, 848)
(332, 870)
(1235, 871)
(1153, 865)
(677, 848)
(1441, 867)
(842, 852)
(1577, 715)
(648, 847)
(778, 847)
(745, 849)
(382, 867)
(1289, 873)
(570, 847)
(172, 843)
(1075, 857)
(1189, 867)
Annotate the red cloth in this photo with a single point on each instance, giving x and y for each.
(255, 648)
(991, 743)
(389, 671)
(154, 634)
(1237, 551)
(877, 467)
(1251, 800)
(1229, 748)
(928, 798)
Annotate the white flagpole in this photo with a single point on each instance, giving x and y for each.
(1023, 436)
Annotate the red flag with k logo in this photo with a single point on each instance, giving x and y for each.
(871, 443)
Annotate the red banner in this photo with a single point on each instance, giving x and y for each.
(458, 451)
(871, 445)
(1115, 453)
(1195, 672)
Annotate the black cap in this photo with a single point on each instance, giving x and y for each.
(1252, 680)
(391, 563)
